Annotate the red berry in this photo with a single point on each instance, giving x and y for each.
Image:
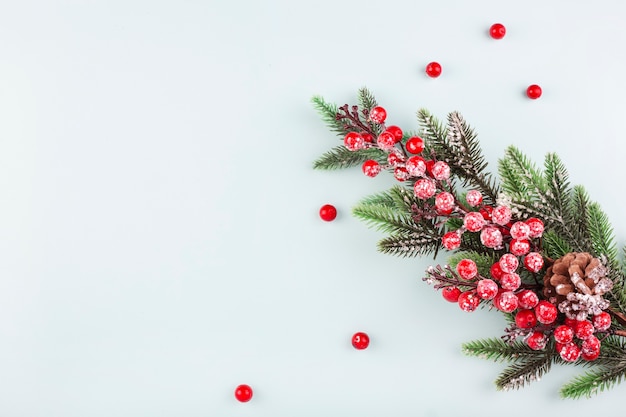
(584, 329)
(570, 352)
(243, 393)
(474, 198)
(496, 271)
(508, 263)
(533, 262)
(486, 212)
(527, 299)
(378, 115)
(501, 215)
(396, 132)
(537, 341)
(510, 281)
(536, 227)
(394, 158)
(520, 230)
(525, 319)
(546, 312)
(563, 334)
(354, 141)
(429, 166)
(467, 269)
(519, 247)
(444, 203)
(440, 171)
(473, 221)
(571, 322)
(451, 294)
(371, 168)
(416, 166)
(328, 212)
(400, 173)
(497, 31)
(533, 91)
(451, 240)
(602, 321)
(368, 137)
(360, 340)
(433, 69)
(487, 289)
(415, 145)
(424, 188)
(590, 348)
(506, 301)
(386, 140)
(491, 237)
(590, 357)
(469, 301)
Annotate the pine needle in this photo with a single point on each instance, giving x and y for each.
(340, 157)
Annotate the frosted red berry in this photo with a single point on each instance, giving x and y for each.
(590, 348)
(415, 145)
(386, 141)
(527, 299)
(533, 262)
(508, 263)
(563, 334)
(441, 171)
(570, 352)
(491, 237)
(444, 202)
(519, 247)
(501, 215)
(486, 212)
(510, 281)
(571, 322)
(354, 141)
(584, 329)
(424, 188)
(451, 294)
(467, 269)
(473, 221)
(546, 312)
(401, 174)
(536, 227)
(394, 158)
(506, 301)
(368, 137)
(360, 340)
(433, 69)
(533, 91)
(487, 289)
(469, 301)
(415, 166)
(496, 271)
(520, 230)
(429, 166)
(497, 31)
(602, 321)
(328, 212)
(371, 168)
(525, 319)
(396, 132)
(243, 393)
(378, 114)
(451, 240)
(474, 198)
(537, 341)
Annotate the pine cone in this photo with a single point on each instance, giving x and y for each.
(576, 283)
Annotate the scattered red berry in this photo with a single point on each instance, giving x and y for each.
(360, 340)
(328, 212)
(467, 269)
(451, 240)
(469, 301)
(525, 319)
(396, 132)
(563, 334)
(474, 198)
(536, 227)
(433, 69)
(501, 215)
(537, 341)
(371, 168)
(491, 237)
(533, 91)
(243, 393)
(508, 263)
(473, 221)
(451, 294)
(497, 31)
(510, 281)
(415, 166)
(386, 141)
(546, 312)
(444, 203)
(584, 329)
(506, 301)
(441, 171)
(527, 299)
(533, 262)
(424, 188)
(487, 289)
(415, 145)
(354, 141)
(602, 321)
(378, 115)
(570, 352)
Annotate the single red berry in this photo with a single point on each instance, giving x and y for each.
(486, 212)
(474, 198)
(563, 334)
(584, 329)
(424, 188)
(519, 247)
(508, 263)
(396, 132)
(533, 262)
(536, 227)
(510, 281)
(520, 230)
(394, 158)
(415, 166)
(444, 203)
(491, 237)
(371, 168)
(433, 69)
(429, 166)
(354, 141)
(496, 271)
(469, 301)
(525, 319)
(451, 294)
(385, 141)
(533, 91)
(487, 289)
(400, 173)
(546, 312)
(570, 352)
(367, 137)
(537, 341)
(378, 115)
(415, 145)
(501, 215)
(328, 212)
(243, 393)
(473, 221)
(602, 321)
(590, 356)
(451, 240)
(590, 348)
(571, 322)
(440, 171)
(360, 340)
(467, 269)
(506, 301)
(527, 299)
(497, 31)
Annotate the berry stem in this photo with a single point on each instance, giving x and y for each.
(354, 118)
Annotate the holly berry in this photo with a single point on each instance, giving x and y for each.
(496, 271)
(469, 301)
(396, 132)
(378, 115)
(491, 237)
(487, 289)
(444, 203)
(368, 137)
(433, 69)
(570, 352)
(602, 321)
(360, 340)
(400, 173)
(486, 212)
(371, 168)
(429, 166)
(590, 348)
(536, 227)
(451, 240)
(527, 299)
(424, 188)
(508, 263)
(394, 158)
(533, 91)
(533, 262)
(537, 341)
(519, 247)
(546, 312)
(415, 166)
(501, 215)
(474, 198)
(510, 281)
(473, 221)
(415, 145)
(386, 141)
(441, 171)
(497, 31)
(467, 269)
(525, 319)
(506, 301)
(354, 141)
(328, 212)
(451, 294)
(584, 329)
(520, 230)
(563, 334)
(243, 393)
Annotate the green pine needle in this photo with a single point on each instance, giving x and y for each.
(340, 157)
(366, 99)
(554, 246)
(498, 350)
(386, 219)
(410, 245)
(328, 112)
(522, 373)
(594, 382)
(601, 232)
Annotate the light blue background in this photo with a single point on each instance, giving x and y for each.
(159, 238)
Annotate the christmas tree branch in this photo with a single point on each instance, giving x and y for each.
(340, 157)
(595, 381)
(328, 113)
(523, 372)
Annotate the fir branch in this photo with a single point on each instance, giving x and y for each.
(498, 350)
(386, 219)
(483, 261)
(554, 246)
(594, 382)
(523, 372)
(410, 245)
(520, 177)
(579, 204)
(557, 182)
(340, 157)
(366, 99)
(601, 233)
(328, 112)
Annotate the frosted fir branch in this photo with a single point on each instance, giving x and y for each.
(524, 372)
(444, 276)
(409, 246)
(341, 157)
(351, 119)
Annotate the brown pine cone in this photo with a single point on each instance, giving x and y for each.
(576, 283)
